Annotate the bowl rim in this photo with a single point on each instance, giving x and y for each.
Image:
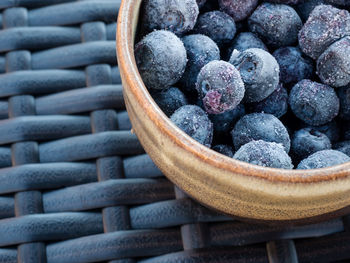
(125, 51)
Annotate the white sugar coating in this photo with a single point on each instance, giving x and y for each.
(267, 154)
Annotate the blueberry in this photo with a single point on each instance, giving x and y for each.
(325, 25)
(331, 129)
(220, 87)
(178, 16)
(201, 3)
(308, 141)
(333, 66)
(224, 122)
(224, 149)
(161, 59)
(259, 71)
(169, 100)
(288, 2)
(200, 51)
(267, 154)
(343, 147)
(339, 2)
(345, 129)
(344, 98)
(217, 25)
(294, 66)
(277, 25)
(314, 103)
(275, 104)
(238, 9)
(323, 159)
(260, 126)
(246, 40)
(194, 122)
(304, 8)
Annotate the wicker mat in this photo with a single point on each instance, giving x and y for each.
(76, 185)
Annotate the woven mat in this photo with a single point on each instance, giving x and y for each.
(76, 185)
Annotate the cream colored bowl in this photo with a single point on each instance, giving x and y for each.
(229, 186)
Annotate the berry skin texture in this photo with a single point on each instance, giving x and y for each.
(259, 71)
(200, 51)
(322, 159)
(194, 122)
(178, 16)
(344, 98)
(161, 59)
(305, 7)
(325, 25)
(201, 3)
(314, 103)
(267, 154)
(343, 147)
(220, 87)
(169, 100)
(308, 141)
(246, 40)
(217, 25)
(293, 65)
(287, 2)
(275, 104)
(224, 149)
(260, 126)
(333, 66)
(331, 129)
(339, 2)
(277, 25)
(238, 9)
(223, 123)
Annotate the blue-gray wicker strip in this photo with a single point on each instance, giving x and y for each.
(107, 193)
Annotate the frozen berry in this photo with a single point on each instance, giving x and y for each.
(343, 147)
(304, 8)
(325, 25)
(201, 3)
(288, 2)
(224, 149)
(260, 126)
(339, 2)
(344, 98)
(161, 59)
(267, 154)
(200, 51)
(220, 87)
(245, 41)
(345, 130)
(276, 103)
(217, 25)
(169, 100)
(259, 71)
(178, 16)
(194, 122)
(333, 66)
(313, 103)
(294, 66)
(331, 129)
(277, 25)
(224, 122)
(238, 9)
(308, 141)
(323, 159)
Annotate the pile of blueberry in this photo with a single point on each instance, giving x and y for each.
(265, 82)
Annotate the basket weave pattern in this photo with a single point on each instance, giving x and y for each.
(75, 183)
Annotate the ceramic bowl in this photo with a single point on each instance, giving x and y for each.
(235, 188)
